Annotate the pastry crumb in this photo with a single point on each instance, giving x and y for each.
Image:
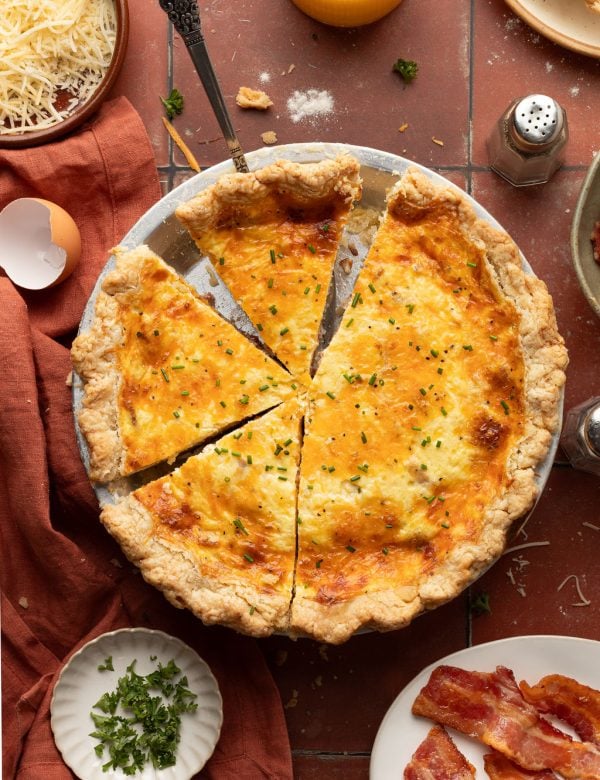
(69, 379)
(437, 141)
(346, 264)
(24, 602)
(253, 98)
(269, 138)
(323, 652)
(403, 127)
(116, 563)
(293, 702)
(291, 68)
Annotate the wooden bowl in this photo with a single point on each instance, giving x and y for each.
(85, 110)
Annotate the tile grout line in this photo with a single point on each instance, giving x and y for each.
(171, 167)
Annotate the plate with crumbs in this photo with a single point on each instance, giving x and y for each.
(95, 669)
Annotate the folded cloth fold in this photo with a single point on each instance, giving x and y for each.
(64, 580)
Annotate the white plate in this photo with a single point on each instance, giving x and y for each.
(80, 685)
(530, 658)
(569, 23)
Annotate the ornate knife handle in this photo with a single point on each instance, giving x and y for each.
(186, 20)
(183, 15)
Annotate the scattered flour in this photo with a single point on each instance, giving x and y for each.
(312, 102)
(264, 77)
(574, 91)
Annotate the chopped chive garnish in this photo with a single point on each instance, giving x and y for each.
(312, 249)
(422, 391)
(440, 370)
(392, 321)
(185, 392)
(468, 347)
(165, 375)
(355, 478)
(237, 436)
(423, 467)
(443, 411)
(281, 468)
(223, 404)
(385, 551)
(372, 379)
(270, 283)
(218, 382)
(355, 300)
(350, 548)
(280, 255)
(350, 321)
(438, 443)
(302, 346)
(177, 367)
(244, 399)
(330, 394)
(287, 442)
(249, 459)
(229, 351)
(221, 261)
(273, 309)
(504, 405)
(293, 386)
(416, 429)
(410, 307)
(317, 289)
(318, 563)
(262, 388)
(278, 449)
(331, 469)
(283, 479)
(240, 526)
(176, 414)
(494, 338)
(372, 287)
(434, 352)
(283, 331)
(306, 290)
(472, 265)
(236, 454)
(219, 343)
(259, 326)
(249, 558)
(363, 437)
(156, 333)
(249, 434)
(252, 609)
(272, 253)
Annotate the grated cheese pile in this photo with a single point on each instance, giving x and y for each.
(46, 47)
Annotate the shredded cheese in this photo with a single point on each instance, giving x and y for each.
(525, 546)
(51, 51)
(583, 602)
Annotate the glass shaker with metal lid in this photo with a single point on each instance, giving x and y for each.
(527, 143)
(581, 436)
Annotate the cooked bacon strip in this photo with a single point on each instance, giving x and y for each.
(490, 707)
(498, 767)
(438, 758)
(569, 700)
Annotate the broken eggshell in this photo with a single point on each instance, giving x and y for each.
(40, 244)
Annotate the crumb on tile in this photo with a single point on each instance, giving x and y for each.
(269, 137)
(253, 98)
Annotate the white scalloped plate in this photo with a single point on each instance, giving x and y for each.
(80, 685)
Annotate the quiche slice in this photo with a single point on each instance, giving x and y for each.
(431, 409)
(273, 236)
(218, 535)
(162, 370)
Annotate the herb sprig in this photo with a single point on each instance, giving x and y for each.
(137, 727)
(173, 104)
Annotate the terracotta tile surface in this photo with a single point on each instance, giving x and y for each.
(474, 57)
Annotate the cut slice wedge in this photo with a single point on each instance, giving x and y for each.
(218, 535)
(163, 371)
(273, 236)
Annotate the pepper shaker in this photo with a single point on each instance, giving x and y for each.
(527, 143)
(581, 436)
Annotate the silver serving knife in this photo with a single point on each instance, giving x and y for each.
(186, 20)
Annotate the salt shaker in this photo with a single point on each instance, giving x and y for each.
(527, 143)
(581, 436)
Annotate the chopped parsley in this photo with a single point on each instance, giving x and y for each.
(136, 727)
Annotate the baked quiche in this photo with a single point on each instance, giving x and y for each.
(357, 499)
(430, 410)
(218, 535)
(162, 370)
(273, 236)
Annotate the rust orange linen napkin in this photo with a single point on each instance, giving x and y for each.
(64, 581)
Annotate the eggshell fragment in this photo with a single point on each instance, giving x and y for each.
(40, 244)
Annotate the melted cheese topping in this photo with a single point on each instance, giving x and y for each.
(278, 263)
(186, 373)
(233, 507)
(48, 47)
(416, 403)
